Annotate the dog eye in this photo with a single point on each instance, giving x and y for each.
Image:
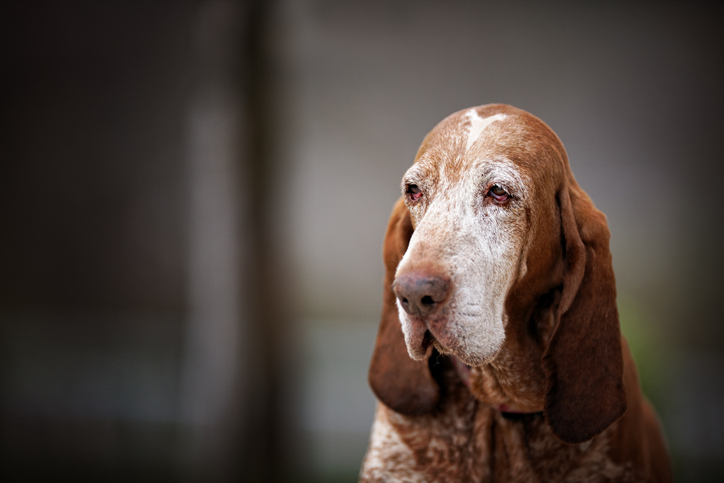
(413, 192)
(498, 193)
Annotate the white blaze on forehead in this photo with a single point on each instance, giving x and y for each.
(478, 125)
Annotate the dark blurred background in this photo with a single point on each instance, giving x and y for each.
(193, 197)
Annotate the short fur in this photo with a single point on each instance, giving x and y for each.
(520, 372)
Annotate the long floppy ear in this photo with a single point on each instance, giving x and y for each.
(401, 383)
(583, 362)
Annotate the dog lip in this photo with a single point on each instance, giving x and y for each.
(428, 339)
(426, 333)
(462, 370)
(418, 338)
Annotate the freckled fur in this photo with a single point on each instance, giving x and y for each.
(532, 310)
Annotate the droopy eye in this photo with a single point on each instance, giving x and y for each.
(413, 192)
(498, 193)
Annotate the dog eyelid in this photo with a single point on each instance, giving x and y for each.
(497, 190)
(498, 193)
(412, 191)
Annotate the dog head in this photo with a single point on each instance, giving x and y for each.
(497, 258)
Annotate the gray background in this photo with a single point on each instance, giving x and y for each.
(193, 197)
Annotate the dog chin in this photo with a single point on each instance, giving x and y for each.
(420, 341)
(476, 359)
(468, 357)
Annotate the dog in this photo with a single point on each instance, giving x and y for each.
(499, 355)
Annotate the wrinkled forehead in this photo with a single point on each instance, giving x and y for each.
(479, 138)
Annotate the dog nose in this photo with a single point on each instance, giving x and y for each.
(421, 294)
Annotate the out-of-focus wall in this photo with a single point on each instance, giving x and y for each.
(125, 312)
(131, 342)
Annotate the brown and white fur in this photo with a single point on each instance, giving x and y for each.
(499, 355)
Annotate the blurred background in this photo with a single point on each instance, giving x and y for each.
(193, 196)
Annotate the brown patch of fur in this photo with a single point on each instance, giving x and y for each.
(465, 440)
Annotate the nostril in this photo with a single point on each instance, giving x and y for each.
(427, 300)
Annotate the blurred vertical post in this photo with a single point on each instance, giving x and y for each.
(231, 379)
(263, 440)
(212, 401)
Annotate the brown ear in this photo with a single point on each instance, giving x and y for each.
(401, 383)
(583, 362)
